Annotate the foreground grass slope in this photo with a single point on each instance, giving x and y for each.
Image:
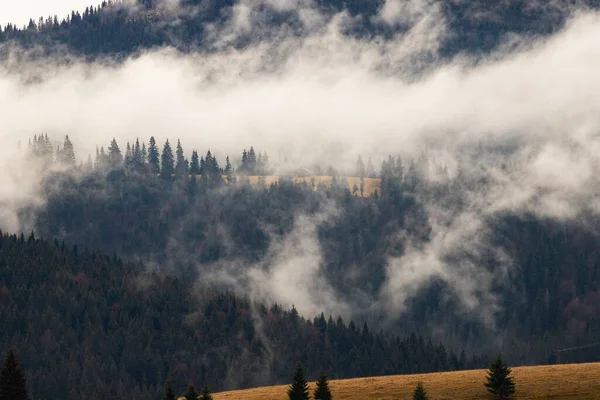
(577, 381)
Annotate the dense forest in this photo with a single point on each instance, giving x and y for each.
(151, 260)
(121, 28)
(88, 325)
(205, 223)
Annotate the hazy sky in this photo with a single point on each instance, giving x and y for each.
(19, 11)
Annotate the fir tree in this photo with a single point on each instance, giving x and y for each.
(137, 154)
(420, 393)
(360, 168)
(298, 390)
(13, 385)
(499, 383)
(143, 155)
(169, 392)
(128, 156)
(228, 170)
(114, 154)
(167, 162)
(244, 165)
(322, 391)
(181, 167)
(251, 161)
(191, 393)
(68, 153)
(371, 169)
(206, 394)
(153, 156)
(195, 164)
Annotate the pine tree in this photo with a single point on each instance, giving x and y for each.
(206, 394)
(191, 393)
(420, 393)
(114, 155)
(371, 169)
(228, 170)
(181, 167)
(360, 168)
(244, 165)
(167, 162)
(251, 161)
(128, 156)
(137, 154)
(498, 381)
(298, 390)
(13, 385)
(68, 153)
(169, 392)
(153, 156)
(322, 391)
(195, 164)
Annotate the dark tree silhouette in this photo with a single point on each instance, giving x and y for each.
(167, 162)
(322, 391)
(420, 393)
(191, 393)
(206, 395)
(169, 393)
(13, 385)
(499, 383)
(298, 390)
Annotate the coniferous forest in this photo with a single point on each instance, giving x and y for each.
(147, 262)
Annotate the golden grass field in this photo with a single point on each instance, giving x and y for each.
(371, 184)
(577, 381)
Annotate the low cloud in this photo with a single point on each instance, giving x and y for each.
(325, 97)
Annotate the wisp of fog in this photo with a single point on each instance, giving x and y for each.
(326, 97)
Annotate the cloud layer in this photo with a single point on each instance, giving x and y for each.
(327, 97)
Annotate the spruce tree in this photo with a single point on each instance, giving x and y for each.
(114, 154)
(167, 162)
(206, 394)
(228, 170)
(153, 156)
(298, 390)
(137, 154)
(191, 393)
(420, 393)
(68, 153)
(169, 391)
(360, 168)
(195, 164)
(13, 385)
(181, 167)
(322, 391)
(499, 383)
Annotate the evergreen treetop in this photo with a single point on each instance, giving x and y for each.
(499, 383)
(191, 393)
(298, 390)
(169, 391)
(13, 385)
(322, 391)
(206, 394)
(420, 393)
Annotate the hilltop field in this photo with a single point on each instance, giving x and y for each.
(372, 185)
(576, 381)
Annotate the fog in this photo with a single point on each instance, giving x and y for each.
(327, 97)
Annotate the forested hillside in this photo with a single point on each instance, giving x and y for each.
(93, 326)
(427, 170)
(120, 28)
(221, 233)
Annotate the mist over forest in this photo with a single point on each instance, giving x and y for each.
(215, 190)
